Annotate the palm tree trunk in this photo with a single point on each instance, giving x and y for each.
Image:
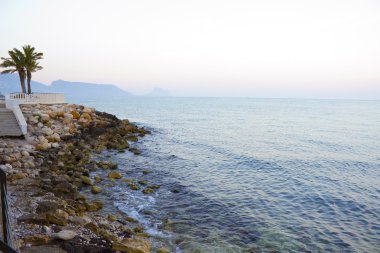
(22, 81)
(29, 77)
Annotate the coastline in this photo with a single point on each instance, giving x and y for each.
(49, 172)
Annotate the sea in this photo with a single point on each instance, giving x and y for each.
(253, 175)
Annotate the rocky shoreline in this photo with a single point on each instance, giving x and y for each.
(49, 170)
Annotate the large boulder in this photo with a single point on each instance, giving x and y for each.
(58, 217)
(133, 245)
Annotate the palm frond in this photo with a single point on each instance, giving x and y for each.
(8, 71)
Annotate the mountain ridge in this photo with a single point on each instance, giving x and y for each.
(10, 83)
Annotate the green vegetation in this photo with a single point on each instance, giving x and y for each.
(31, 63)
(23, 62)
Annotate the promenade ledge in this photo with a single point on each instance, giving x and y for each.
(37, 98)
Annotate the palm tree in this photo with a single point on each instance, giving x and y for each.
(31, 63)
(16, 63)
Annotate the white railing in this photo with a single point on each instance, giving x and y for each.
(38, 98)
(14, 106)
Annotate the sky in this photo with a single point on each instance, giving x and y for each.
(268, 48)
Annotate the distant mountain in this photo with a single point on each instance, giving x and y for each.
(87, 90)
(159, 92)
(11, 83)
(72, 90)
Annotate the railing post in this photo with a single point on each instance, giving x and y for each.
(6, 243)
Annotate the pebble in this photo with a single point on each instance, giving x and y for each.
(65, 235)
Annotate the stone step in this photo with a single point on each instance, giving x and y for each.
(8, 123)
(10, 134)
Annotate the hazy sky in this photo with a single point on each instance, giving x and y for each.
(267, 48)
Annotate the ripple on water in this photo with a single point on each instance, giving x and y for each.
(258, 175)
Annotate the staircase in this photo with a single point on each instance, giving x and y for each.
(8, 122)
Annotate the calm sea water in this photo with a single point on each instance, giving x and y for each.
(255, 175)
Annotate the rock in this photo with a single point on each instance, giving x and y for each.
(148, 191)
(29, 164)
(133, 245)
(53, 114)
(37, 239)
(145, 172)
(86, 180)
(134, 187)
(112, 166)
(33, 120)
(130, 219)
(17, 176)
(54, 137)
(65, 187)
(80, 197)
(45, 117)
(98, 178)
(42, 139)
(17, 155)
(108, 236)
(132, 138)
(65, 235)
(114, 175)
(93, 227)
(33, 219)
(175, 190)
(59, 217)
(46, 229)
(86, 116)
(75, 114)
(96, 189)
(46, 206)
(7, 158)
(25, 153)
(163, 250)
(47, 131)
(146, 235)
(43, 146)
(55, 145)
(68, 116)
(80, 220)
(44, 249)
(123, 146)
(88, 110)
(111, 217)
(94, 206)
(135, 151)
(138, 229)
(142, 182)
